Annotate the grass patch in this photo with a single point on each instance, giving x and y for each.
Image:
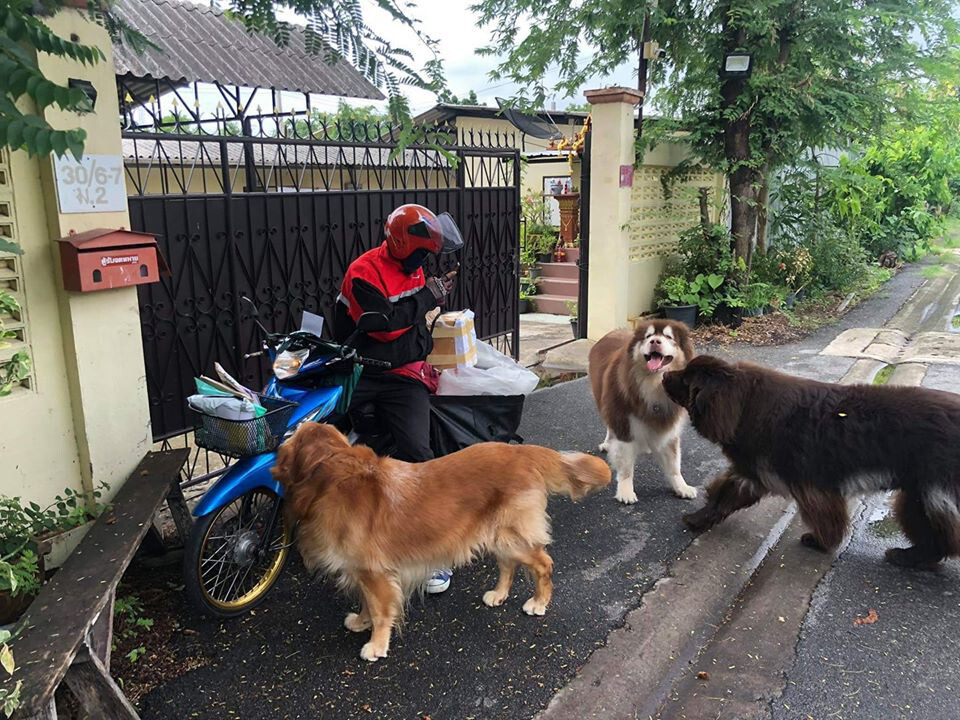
(883, 377)
(933, 271)
(955, 322)
(551, 380)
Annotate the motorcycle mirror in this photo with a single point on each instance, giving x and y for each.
(254, 313)
(250, 304)
(372, 322)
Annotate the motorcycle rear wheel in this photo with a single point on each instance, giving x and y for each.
(226, 574)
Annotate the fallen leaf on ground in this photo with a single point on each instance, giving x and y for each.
(870, 618)
(702, 675)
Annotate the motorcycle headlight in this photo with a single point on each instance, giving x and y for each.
(288, 363)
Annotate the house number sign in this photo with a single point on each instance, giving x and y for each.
(95, 184)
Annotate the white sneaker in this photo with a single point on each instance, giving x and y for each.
(439, 582)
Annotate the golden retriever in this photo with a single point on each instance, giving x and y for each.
(381, 525)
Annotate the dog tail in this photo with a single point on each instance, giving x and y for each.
(577, 475)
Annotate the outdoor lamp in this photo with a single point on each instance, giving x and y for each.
(87, 87)
(737, 65)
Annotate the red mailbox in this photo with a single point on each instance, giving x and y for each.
(103, 259)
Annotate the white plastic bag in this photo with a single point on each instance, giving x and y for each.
(494, 374)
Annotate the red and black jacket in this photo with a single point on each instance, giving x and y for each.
(376, 282)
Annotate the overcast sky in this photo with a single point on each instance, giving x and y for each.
(455, 26)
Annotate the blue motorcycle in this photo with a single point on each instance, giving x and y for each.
(241, 537)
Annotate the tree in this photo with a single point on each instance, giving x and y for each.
(824, 71)
(450, 99)
(348, 123)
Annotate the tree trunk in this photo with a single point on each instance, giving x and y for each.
(763, 196)
(704, 194)
(743, 211)
(736, 148)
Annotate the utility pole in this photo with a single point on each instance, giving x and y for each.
(642, 70)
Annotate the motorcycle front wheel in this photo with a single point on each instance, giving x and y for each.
(229, 566)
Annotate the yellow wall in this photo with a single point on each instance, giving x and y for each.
(634, 229)
(656, 220)
(609, 289)
(38, 447)
(87, 419)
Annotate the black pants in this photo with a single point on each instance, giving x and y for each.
(402, 409)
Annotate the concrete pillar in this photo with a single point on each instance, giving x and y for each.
(102, 347)
(611, 168)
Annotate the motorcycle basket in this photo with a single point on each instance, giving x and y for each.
(241, 438)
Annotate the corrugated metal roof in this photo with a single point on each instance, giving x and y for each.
(199, 43)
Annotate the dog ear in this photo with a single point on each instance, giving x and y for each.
(714, 400)
(686, 342)
(301, 463)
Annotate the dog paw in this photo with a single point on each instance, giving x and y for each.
(492, 598)
(809, 540)
(698, 521)
(603, 447)
(372, 652)
(626, 496)
(534, 607)
(687, 492)
(910, 558)
(354, 623)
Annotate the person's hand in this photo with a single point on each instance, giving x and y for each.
(441, 286)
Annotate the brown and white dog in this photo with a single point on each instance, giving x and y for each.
(626, 374)
(821, 443)
(381, 525)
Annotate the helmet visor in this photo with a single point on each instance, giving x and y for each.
(451, 239)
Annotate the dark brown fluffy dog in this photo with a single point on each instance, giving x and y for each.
(821, 443)
(381, 525)
(626, 375)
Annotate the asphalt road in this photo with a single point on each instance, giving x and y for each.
(456, 658)
(904, 665)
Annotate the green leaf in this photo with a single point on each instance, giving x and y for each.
(6, 659)
(44, 94)
(15, 134)
(75, 139)
(58, 139)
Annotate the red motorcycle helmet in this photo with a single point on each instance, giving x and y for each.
(413, 227)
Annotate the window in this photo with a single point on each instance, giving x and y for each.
(15, 374)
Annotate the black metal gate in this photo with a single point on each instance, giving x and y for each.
(584, 261)
(278, 218)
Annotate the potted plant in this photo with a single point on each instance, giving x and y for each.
(527, 258)
(755, 298)
(26, 533)
(574, 320)
(679, 301)
(797, 269)
(527, 290)
(539, 236)
(545, 246)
